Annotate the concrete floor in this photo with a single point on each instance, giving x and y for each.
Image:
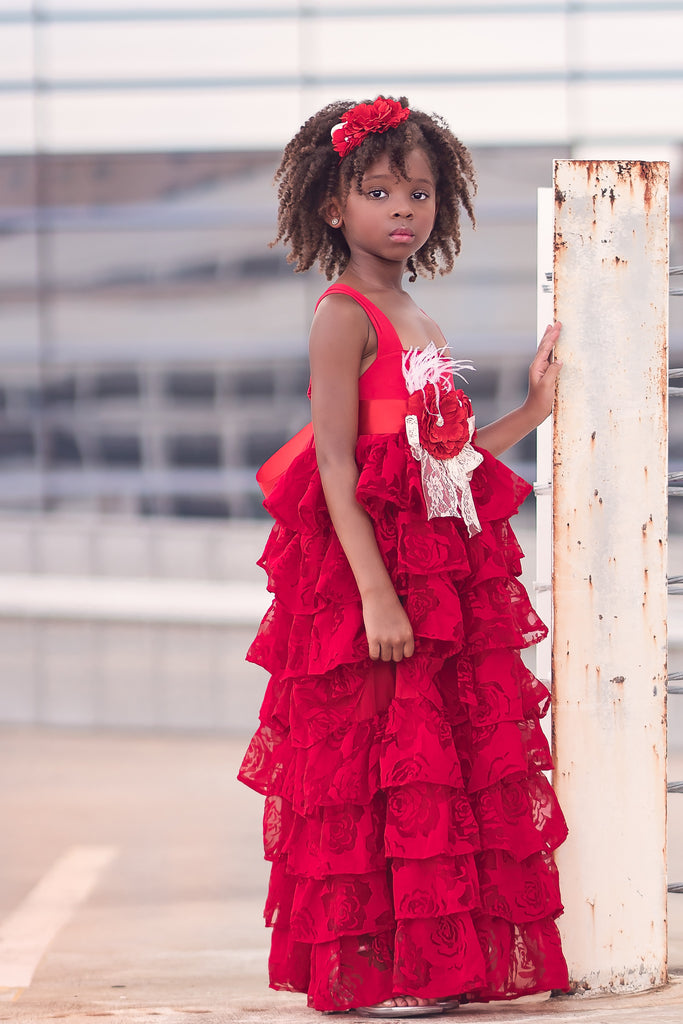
(171, 928)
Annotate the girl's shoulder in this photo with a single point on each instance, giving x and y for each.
(341, 296)
(341, 325)
(339, 310)
(347, 301)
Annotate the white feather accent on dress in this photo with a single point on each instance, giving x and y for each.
(430, 365)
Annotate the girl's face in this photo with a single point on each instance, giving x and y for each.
(391, 217)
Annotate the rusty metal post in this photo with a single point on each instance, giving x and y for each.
(609, 583)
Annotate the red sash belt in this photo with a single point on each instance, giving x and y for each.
(381, 415)
(375, 416)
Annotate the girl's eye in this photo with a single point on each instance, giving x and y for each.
(420, 194)
(377, 193)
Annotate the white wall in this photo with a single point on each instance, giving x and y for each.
(156, 75)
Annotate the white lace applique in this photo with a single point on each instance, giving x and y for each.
(445, 482)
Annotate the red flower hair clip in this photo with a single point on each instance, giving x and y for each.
(365, 118)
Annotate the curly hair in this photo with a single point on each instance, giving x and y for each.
(310, 174)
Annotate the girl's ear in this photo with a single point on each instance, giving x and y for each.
(331, 214)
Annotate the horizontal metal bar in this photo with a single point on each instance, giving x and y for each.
(675, 392)
(303, 80)
(162, 216)
(674, 691)
(675, 677)
(675, 887)
(119, 217)
(674, 787)
(312, 12)
(675, 270)
(675, 589)
(675, 372)
(26, 486)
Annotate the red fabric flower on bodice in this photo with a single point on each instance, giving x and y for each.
(443, 420)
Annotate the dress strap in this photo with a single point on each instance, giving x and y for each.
(379, 320)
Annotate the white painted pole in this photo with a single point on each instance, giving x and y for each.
(609, 586)
(544, 443)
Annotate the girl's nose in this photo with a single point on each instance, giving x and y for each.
(403, 211)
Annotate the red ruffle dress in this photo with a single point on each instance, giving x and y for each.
(407, 817)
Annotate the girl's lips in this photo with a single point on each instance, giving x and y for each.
(402, 235)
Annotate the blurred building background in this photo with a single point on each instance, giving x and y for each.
(154, 349)
(153, 346)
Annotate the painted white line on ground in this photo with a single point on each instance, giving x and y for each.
(28, 931)
(9, 995)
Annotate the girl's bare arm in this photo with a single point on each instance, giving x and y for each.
(338, 339)
(497, 437)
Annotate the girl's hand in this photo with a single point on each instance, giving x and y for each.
(543, 374)
(497, 437)
(389, 633)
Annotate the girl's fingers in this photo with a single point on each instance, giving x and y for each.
(547, 342)
(551, 334)
(391, 651)
(543, 361)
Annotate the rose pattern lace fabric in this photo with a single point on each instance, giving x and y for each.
(407, 815)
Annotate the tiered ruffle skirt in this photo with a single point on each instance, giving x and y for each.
(408, 818)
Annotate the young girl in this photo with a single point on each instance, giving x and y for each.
(407, 815)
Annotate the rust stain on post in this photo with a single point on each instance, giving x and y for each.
(609, 523)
